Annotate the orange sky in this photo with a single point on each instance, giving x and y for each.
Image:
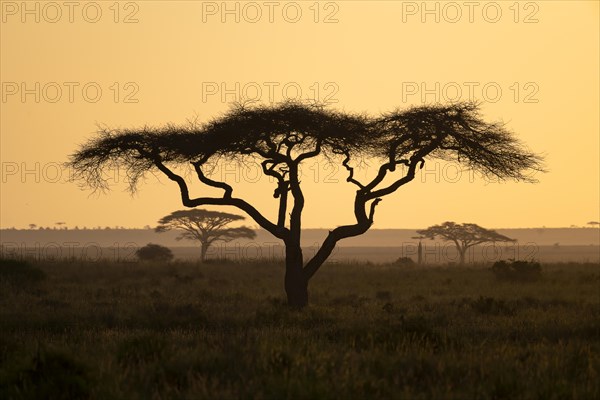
(65, 69)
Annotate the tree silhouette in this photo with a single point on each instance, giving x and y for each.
(282, 136)
(463, 236)
(205, 226)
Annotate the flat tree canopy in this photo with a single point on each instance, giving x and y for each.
(204, 226)
(463, 235)
(282, 136)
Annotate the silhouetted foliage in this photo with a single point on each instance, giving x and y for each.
(154, 252)
(405, 261)
(281, 136)
(463, 236)
(205, 226)
(517, 271)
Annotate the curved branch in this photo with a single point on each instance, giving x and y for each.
(383, 170)
(350, 169)
(296, 214)
(183, 188)
(410, 175)
(415, 159)
(207, 181)
(292, 139)
(275, 230)
(273, 153)
(372, 210)
(363, 223)
(309, 154)
(281, 191)
(270, 171)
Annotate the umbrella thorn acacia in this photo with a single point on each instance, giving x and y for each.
(282, 136)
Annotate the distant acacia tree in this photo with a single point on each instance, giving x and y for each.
(154, 252)
(205, 226)
(281, 137)
(463, 236)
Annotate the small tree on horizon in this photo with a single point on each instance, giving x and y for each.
(464, 236)
(205, 226)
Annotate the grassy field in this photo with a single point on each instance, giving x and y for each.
(142, 331)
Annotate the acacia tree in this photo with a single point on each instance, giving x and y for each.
(463, 236)
(282, 136)
(205, 226)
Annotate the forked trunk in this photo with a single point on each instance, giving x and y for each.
(296, 282)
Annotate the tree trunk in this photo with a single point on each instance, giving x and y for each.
(296, 282)
(461, 253)
(203, 249)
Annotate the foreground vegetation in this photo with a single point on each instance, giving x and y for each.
(222, 330)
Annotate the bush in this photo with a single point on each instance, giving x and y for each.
(19, 272)
(154, 252)
(405, 261)
(517, 271)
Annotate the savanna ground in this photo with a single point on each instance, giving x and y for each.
(222, 330)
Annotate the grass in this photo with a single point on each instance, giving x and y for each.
(222, 330)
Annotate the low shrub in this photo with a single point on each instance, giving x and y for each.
(154, 252)
(517, 271)
(405, 261)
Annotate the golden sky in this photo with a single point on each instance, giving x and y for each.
(67, 68)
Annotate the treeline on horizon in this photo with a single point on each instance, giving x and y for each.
(148, 227)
